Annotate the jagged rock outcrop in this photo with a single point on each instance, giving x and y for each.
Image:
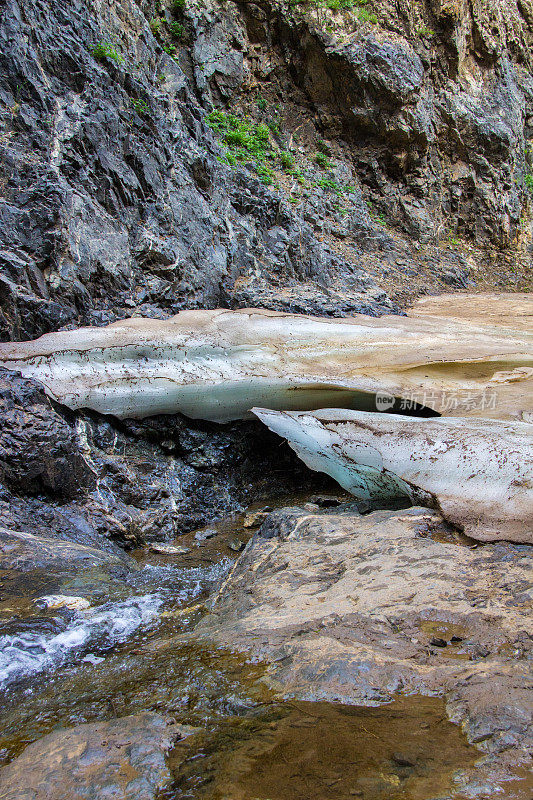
(93, 481)
(39, 452)
(430, 102)
(113, 198)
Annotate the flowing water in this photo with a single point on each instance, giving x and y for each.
(127, 646)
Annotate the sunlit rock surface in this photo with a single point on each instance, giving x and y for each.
(501, 311)
(479, 471)
(217, 364)
(123, 758)
(354, 609)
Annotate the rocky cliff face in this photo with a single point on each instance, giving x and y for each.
(113, 198)
(395, 144)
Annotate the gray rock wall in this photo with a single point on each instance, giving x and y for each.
(113, 200)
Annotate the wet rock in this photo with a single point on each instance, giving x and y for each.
(254, 519)
(123, 759)
(60, 574)
(236, 545)
(39, 450)
(55, 601)
(325, 501)
(91, 481)
(168, 549)
(343, 607)
(24, 552)
(205, 534)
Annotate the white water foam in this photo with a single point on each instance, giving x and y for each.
(28, 653)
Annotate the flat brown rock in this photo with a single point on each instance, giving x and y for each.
(123, 759)
(503, 310)
(357, 608)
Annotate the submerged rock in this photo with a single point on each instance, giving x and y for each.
(56, 601)
(478, 471)
(405, 750)
(168, 549)
(216, 365)
(123, 759)
(344, 607)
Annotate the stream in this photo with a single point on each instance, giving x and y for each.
(127, 646)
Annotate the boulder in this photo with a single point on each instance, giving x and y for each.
(122, 759)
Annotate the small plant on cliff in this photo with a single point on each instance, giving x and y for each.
(104, 50)
(528, 180)
(244, 137)
(422, 30)
(323, 161)
(177, 29)
(336, 5)
(140, 107)
(300, 177)
(265, 173)
(286, 160)
(178, 6)
(155, 26)
(367, 16)
(246, 141)
(329, 183)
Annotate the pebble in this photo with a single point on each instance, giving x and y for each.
(55, 601)
(168, 549)
(236, 545)
(254, 519)
(205, 533)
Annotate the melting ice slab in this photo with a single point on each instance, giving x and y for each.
(217, 364)
(479, 471)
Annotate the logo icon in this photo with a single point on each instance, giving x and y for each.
(384, 401)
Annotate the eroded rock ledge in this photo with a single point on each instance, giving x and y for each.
(477, 472)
